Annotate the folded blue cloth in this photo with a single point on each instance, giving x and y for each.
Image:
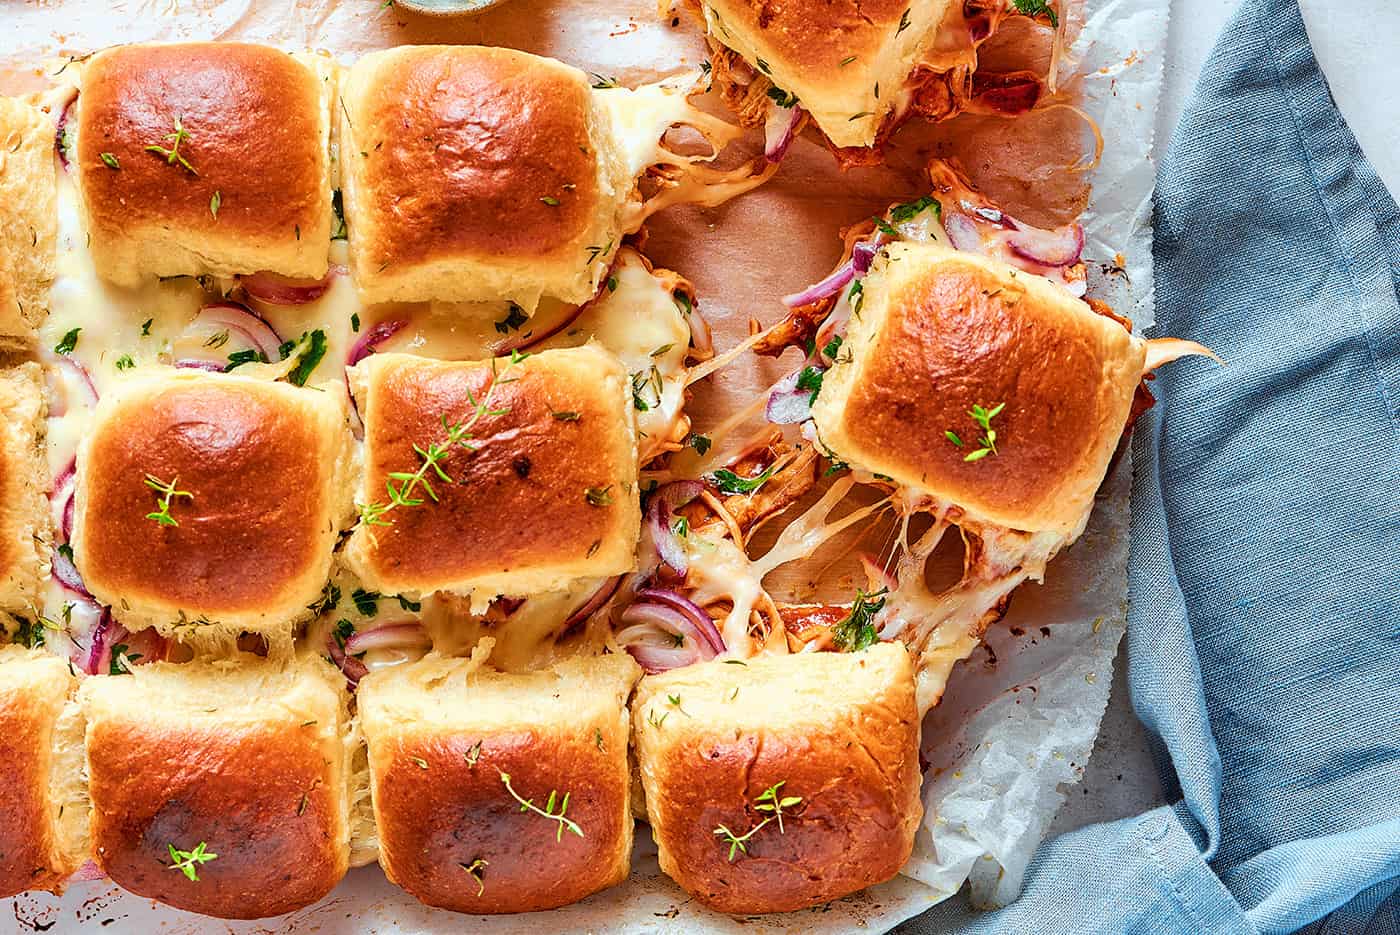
(1264, 629)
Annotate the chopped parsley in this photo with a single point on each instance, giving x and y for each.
(68, 343)
(513, 320)
(911, 209)
(1037, 8)
(782, 98)
(250, 356)
(366, 602)
(311, 347)
(125, 362)
(857, 631)
(811, 379)
(729, 482)
(701, 443)
(110, 161)
(338, 231)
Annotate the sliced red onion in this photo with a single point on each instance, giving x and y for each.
(1062, 246)
(371, 339)
(862, 253)
(788, 405)
(651, 634)
(701, 337)
(191, 364)
(61, 498)
(235, 316)
(779, 129)
(963, 233)
(60, 130)
(80, 375)
(595, 601)
(694, 612)
(389, 636)
(66, 574)
(280, 290)
(98, 658)
(825, 289)
(660, 509)
(353, 668)
(877, 573)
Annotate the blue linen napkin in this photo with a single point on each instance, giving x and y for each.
(1264, 628)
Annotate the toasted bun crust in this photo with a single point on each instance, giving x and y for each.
(516, 518)
(441, 803)
(34, 688)
(258, 121)
(28, 220)
(942, 331)
(832, 54)
(474, 174)
(245, 756)
(267, 466)
(24, 514)
(840, 731)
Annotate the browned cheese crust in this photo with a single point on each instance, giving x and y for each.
(518, 503)
(261, 788)
(948, 332)
(839, 731)
(33, 689)
(450, 831)
(258, 460)
(257, 126)
(479, 155)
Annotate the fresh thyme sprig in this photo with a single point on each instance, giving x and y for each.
(983, 417)
(528, 805)
(168, 492)
(187, 862)
(173, 155)
(458, 435)
(772, 802)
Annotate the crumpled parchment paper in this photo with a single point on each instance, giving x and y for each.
(1019, 718)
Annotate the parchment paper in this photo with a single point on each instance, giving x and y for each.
(1019, 718)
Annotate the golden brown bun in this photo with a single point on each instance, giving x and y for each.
(840, 731)
(24, 514)
(516, 518)
(243, 755)
(941, 331)
(28, 220)
(268, 466)
(440, 735)
(35, 854)
(834, 54)
(476, 174)
(258, 121)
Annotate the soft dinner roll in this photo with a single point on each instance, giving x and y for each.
(24, 514)
(263, 472)
(725, 746)
(444, 737)
(547, 496)
(28, 220)
(476, 173)
(247, 187)
(41, 833)
(940, 332)
(244, 759)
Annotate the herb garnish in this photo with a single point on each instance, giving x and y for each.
(911, 209)
(311, 347)
(528, 805)
(1037, 8)
(729, 482)
(172, 155)
(701, 443)
(513, 320)
(811, 379)
(983, 417)
(125, 362)
(187, 862)
(366, 602)
(782, 98)
(68, 343)
(110, 161)
(249, 356)
(167, 492)
(598, 496)
(857, 630)
(122, 660)
(215, 201)
(771, 801)
(474, 870)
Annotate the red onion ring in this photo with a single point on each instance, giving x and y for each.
(963, 233)
(98, 658)
(66, 574)
(389, 636)
(694, 612)
(701, 337)
(191, 364)
(353, 668)
(660, 509)
(59, 131)
(779, 129)
(84, 379)
(651, 626)
(61, 498)
(788, 405)
(825, 289)
(236, 316)
(1059, 247)
(273, 289)
(595, 601)
(371, 339)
